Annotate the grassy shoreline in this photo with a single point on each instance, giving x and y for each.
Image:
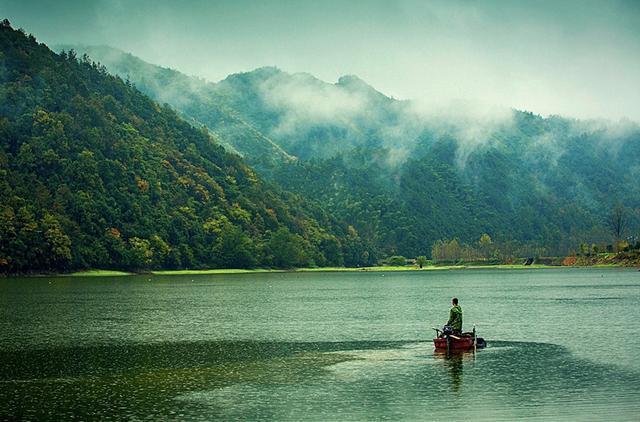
(105, 273)
(222, 271)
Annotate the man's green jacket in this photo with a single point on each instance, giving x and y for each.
(455, 318)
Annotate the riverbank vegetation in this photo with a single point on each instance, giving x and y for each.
(96, 174)
(403, 178)
(376, 269)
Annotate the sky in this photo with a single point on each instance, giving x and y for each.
(572, 58)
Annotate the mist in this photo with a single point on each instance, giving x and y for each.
(571, 58)
(306, 102)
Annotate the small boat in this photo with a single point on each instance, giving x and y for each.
(446, 340)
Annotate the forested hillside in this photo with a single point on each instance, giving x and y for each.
(196, 100)
(405, 175)
(94, 174)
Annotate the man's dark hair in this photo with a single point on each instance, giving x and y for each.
(455, 300)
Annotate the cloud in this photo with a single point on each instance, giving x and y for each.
(306, 101)
(473, 125)
(359, 114)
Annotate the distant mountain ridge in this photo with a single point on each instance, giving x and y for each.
(198, 101)
(405, 176)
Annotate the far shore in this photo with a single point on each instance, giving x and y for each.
(109, 273)
(415, 268)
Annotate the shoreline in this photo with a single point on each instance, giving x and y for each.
(227, 271)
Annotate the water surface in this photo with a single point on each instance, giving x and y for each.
(563, 345)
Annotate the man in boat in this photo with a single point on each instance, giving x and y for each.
(455, 316)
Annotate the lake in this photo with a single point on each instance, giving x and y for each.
(563, 344)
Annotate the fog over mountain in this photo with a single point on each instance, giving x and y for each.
(489, 131)
(406, 173)
(284, 105)
(573, 58)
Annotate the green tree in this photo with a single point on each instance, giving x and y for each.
(397, 261)
(141, 254)
(7, 237)
(286, 249)
(584, 249)
(332, 251)
(160, 251)
(421, 261)
(29, 248)
(617, 221)
(234, 249)
(59, 244)
(485, 246)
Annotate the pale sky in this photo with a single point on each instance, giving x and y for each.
(574, 58)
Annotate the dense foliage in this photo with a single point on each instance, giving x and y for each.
(404, 178)
(94, 174)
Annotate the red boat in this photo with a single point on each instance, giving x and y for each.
(446, 340)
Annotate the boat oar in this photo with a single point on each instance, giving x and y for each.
(450, 335)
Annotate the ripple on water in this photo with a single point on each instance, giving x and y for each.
(313, 381)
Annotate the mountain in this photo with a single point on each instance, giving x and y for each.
(196, 100)
(266, 112)
(406, 176)
(95, 174)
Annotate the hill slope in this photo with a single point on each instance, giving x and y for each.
(405, 176)
(95, 174)
(197, 101)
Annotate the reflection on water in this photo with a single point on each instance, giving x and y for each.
(453, 359)
(313, 381)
